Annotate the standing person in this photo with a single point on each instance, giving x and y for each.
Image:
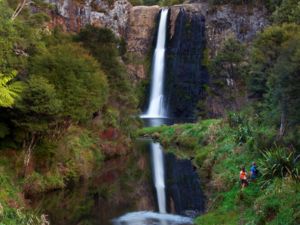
(243, 177)
(253, 172)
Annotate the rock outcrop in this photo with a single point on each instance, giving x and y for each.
(241, 22)
(73, 15)
(139, 36)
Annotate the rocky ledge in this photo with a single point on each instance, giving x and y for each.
(72, 15)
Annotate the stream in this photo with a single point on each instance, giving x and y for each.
(121, 186)
(123, 192)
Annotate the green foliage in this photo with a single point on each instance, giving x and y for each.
(12, 216)
(4, 130)
(39, 100)
(185, 135)
(218, 218)
(273, 79)
(238, 2)
(105, 47)
(12, 205)
(243, 130)
(228, 62)
(9, 89)
(80, 84)
(278, 204)
(278, 162)
(227, 70)
(263, 137)
(285, 83)
(287, 12)
(272, 4)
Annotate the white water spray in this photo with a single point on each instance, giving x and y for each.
(156, 107)
(159, 176)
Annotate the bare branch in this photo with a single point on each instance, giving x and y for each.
(19, 8)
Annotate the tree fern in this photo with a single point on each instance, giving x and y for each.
(9, 89)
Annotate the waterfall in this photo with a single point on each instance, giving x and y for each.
(156, 103)
(159, 176)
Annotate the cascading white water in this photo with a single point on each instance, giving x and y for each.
(159, 176)
(156, 107)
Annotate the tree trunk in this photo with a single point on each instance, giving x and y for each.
(282, 125)
(19, 9)
(28, 153)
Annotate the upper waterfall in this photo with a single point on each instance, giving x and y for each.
(156, 108)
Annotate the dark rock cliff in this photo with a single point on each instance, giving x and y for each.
(185, 74)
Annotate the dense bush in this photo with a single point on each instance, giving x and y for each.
(79, 83)
(288, 11)
(106, 49)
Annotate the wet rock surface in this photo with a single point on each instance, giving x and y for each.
(185, 74)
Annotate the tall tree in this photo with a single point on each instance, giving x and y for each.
(274, 76)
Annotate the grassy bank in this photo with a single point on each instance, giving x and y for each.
(219, 148)
(13, 209)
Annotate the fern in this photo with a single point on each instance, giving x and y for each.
(9, 89)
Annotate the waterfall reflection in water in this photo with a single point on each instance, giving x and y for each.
(159, 175)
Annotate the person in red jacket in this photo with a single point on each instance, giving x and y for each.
(243, 177)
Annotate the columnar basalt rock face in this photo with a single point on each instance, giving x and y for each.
(241, 22)
(73, 15)
(221, 22)
(185, 74)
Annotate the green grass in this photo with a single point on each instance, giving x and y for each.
(12, 205)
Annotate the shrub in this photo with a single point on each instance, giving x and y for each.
(263, 138)
(278, 162)
(279, 203)
(234, 119)
(241, 125)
